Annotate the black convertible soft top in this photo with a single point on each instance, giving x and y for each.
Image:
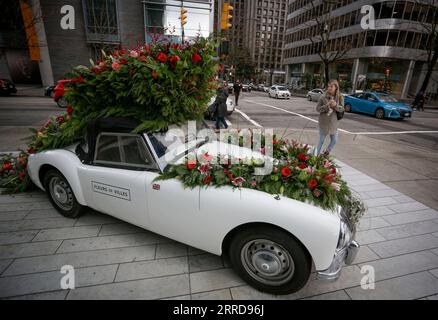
(95, 127)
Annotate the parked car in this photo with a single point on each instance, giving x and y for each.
(271, 242)
(211, 108)
(49, 91)
(7, 87)
(315, 94)
(380, 105)
(230, 87)
(279, 92)
(245, 87)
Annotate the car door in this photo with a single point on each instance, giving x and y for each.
(115, 183)
(359, 103)
(371, 103)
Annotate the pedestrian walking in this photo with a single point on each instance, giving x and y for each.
(330, 107)
(419, 101)
(237, 88)
(221, 106)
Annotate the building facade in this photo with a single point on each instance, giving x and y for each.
(259, 27)
(95, 25)
(387, 55)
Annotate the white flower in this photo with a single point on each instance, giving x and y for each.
(336, 186)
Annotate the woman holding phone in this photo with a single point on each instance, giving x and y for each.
(329, 105)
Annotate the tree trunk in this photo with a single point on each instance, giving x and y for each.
(430, 68)
(326, 74)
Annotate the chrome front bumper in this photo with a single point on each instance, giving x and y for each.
(342, 257)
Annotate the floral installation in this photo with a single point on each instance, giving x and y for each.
(296, 174)
(160, 84)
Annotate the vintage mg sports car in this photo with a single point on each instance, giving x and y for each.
(271, 242)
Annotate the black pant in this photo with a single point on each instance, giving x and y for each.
(220, 120)
(237, 98)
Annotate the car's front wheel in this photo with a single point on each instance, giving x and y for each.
(309, 98)
(347, 107)
(61, 194)
(380, 113)
(270, 260)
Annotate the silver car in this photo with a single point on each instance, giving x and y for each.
(315, 94)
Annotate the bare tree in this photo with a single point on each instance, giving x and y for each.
(429, 25)
(322, 26)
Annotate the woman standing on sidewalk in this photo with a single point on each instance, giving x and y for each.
(328, 106)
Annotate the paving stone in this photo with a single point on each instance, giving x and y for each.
(365, 254)
(12, 215)
(372, 223)
(384, 193)
(25, 206)
(434, 297)
(51, 281)
(409, 217)
(379, 211)
(92, 218)
(17, 236)
(434, 272)
(368, 236)
(371, 187)
(435, 251)
(171, 250)
(29, 249)
(405, 245)
(67, 233)
(195, 251)
(119, 228)
(337, 295)
(152, 269)
(411, 286)
(408, 230)
(378, 202)
(435, 234)
(54, 295)
(403, 199)
(184, 297)
(408, 207)
(36, 224)
(23, 198)
(205, 262)
(43, 214)
(148, 289)
(80, 259)
(4, 264)
(109, 242)
(213, 280)
(403, 265)
(213, 295)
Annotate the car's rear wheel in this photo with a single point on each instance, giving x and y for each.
(380, 113)
(347, 107)
(62, 102)
(270, 260)
(61, 194)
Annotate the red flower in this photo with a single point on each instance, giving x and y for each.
(196, 58)
(70, 110)
(333, 171)
(191, 165)
(303, 166)
(143, 58)
(286, 172)
(115, 66)
(7, 166)
(96, 71)
(154, 74)
(123, 61)
(317, 193)
(21, 175)
(303, 157)
(60, 119)
(162, 57)
(275, 141)
(207, 180)
(174, 60)
(31, 151)
(312, 184)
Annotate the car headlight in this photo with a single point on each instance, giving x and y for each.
(345, 235)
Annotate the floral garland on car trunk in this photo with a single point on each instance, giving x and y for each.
(160, 84)
(296, 174)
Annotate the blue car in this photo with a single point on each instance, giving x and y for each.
(380, 105)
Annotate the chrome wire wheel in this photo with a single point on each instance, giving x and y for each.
(380, 113)
(61, 193)
(267, 262)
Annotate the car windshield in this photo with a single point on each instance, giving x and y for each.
(282, 88)
(386, 98)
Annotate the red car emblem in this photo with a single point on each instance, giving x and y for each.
(156, 186)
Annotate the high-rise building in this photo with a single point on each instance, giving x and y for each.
(386, 54)
(259, 26)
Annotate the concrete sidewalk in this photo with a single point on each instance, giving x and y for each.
(115, 260)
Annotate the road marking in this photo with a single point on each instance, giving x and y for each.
(342, 130)
(243, 114)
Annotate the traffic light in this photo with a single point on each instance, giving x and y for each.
(183, 17)
(226, 16)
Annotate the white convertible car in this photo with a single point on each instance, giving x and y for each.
(271, 242)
